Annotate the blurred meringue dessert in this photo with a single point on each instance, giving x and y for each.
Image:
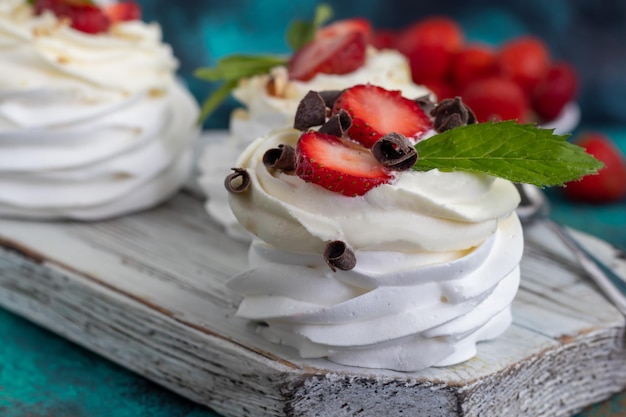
(339, 56)
(385, 228)
(93, 122)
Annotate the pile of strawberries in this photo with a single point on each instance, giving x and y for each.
(86, 16)
(517, 80)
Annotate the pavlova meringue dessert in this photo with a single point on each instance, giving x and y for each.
(339, 57)
(358, 258)
(93, 122)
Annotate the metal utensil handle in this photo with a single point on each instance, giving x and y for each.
(613, 286)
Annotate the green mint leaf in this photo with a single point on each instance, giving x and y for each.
(230, 70)
(516, 152)
(301, 32)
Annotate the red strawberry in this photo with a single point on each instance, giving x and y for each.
(123, 12)
(376, 112)
(384, 39)
(524, 60)
(84, 16)
(441, 88)
(474, 62)
(496, 99)
(557, 88)
(429, 46)
(338, 165)
(343, 27)
(609, 184)
(329, 55)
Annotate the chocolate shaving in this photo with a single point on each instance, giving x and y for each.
(337, 124)
(311, 111)
(238, 181)
(451, 113)
(425, 103)
(330, 96)
(394, 151)
(339, 256)
(282, 158)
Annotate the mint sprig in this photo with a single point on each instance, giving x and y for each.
(231, 69)
(516, 152)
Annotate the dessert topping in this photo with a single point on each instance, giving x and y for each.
(238, 181)
(376, 111)
(450, 113)
(311, 111)
(339, 256)
(557, 88)
(86, 16)
(338, 124)
(395, 152)
(338, 165)
(282, 158)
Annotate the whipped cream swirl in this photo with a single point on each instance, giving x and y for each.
(263, 112)
(437, 264)
(91, 126)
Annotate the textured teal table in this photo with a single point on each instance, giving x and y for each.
(42, 375)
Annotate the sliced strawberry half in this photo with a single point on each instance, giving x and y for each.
(344, 27)
(83, 15)
(376, 111)
(340, 54)
(123, 12)
(338, 165)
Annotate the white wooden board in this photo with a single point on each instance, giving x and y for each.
(147, 291)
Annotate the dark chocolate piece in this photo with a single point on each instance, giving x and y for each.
(330, 96)
(425, 103)
(282, 158)
(238, 181)
(394, 151)
(451, 113)
(311, 111)
(339, 256)
(337, 124)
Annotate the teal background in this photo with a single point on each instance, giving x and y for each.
(42, 375)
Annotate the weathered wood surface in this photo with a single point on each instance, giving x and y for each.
(147, 291)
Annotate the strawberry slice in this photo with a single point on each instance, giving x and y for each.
(338, 165)
(344, 27)
(328, 55)
(83, 15)
(122, 12)
(376, 112)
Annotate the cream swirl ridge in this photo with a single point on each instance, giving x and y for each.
(437, 264)
(90, 126)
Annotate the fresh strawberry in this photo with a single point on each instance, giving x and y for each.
(340, 54)
(83, 15)
(376, 112)
(122, 12)
(524, 60)
(344, 27)
(429, 45)
(609, 184)
(338, 165)
(557, 88)
(384, 39)
(496, 99)
(474, 62)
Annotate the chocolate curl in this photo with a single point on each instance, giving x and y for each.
(330, 97)
(339, 256)
(394, 151)
(451, 113)
(238, 181)
(282, 158)
(425, 103)
(311, 111)
(337, 124)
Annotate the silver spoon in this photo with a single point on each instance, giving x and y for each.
(534, 207)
